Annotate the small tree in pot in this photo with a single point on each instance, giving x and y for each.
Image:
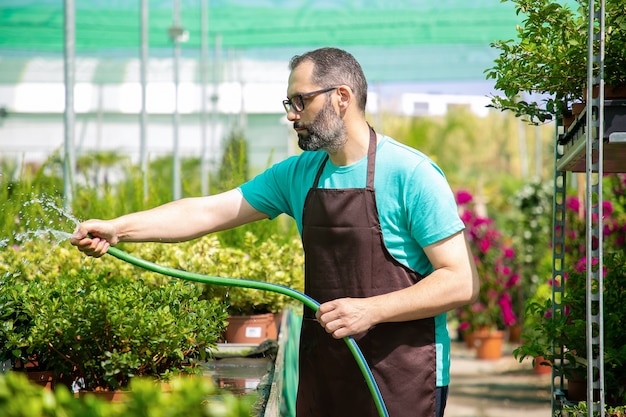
(549, 58)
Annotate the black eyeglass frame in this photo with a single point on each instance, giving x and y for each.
(296, 102)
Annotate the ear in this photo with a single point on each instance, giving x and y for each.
(345, 96)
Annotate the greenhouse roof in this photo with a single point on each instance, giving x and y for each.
(395, 40)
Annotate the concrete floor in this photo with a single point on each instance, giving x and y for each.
(495, 388)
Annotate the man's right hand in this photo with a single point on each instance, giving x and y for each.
(94, 237)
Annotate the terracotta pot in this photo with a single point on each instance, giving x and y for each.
(116, 396)
(515, 333)
(540, 368)
(252, 329)
(611, 92)
(577, 389)
(489, 344)
(46, 379)
(469, 338)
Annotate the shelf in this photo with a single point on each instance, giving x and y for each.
(574, 141)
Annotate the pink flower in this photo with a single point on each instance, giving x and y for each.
(581, 265)
(466, 216)
(572, 203)
(463, 326)
(509, 253)
(512, 281)
(463, 197)
(482, 221)
(508, 316)
(477, 307)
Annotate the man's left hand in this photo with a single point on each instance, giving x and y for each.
(345, 317)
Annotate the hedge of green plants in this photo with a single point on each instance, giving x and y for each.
(95, 325)
(188, 397)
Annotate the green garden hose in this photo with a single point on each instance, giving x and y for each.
(265, 286)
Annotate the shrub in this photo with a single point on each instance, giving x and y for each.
(189, 397)
(102, 327)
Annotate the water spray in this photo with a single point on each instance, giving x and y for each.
(265, 286)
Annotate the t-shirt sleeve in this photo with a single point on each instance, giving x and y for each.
(266, 191)
(433, 211)
(282, 188)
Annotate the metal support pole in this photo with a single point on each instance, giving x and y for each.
(176, 32)
(558, 272)
(594, 174)
(143, 117)
(204, 53)
(538, 153)
(217, 78)
(69, 116)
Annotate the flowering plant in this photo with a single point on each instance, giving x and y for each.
(613, 220)
(563, 332)
(494, 258)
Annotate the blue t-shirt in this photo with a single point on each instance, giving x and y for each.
(415, 204)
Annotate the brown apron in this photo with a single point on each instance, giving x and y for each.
(345, 256)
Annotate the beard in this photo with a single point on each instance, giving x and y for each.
(326, 132)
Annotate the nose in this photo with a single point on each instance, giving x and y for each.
(292, 115)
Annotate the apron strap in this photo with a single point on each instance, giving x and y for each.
(371, 162)
(371, 158)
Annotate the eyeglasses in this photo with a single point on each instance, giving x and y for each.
(297, 102)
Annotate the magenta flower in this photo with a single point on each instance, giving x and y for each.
(513, 281)
(508, 316)
(463, 197)
(463, 326)
(466, 216)
(477, 307)
(572, 203)
(496, 263)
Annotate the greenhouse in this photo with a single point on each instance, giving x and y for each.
(116, 107)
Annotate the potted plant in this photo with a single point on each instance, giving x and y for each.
(99, 329)
(17, 343)
(543, 71)
(580, 410)
(566, 328)
(538, 331)
(495, 259)
(253, 315)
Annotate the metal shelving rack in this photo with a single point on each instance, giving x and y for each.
(582, 149)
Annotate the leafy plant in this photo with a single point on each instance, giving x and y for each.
(102, 328)
(16, 314)
(544, 70)
(580, 410)
(268, 261)
(188, 397)
(567, 328)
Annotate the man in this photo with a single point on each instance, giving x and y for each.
(384, 247)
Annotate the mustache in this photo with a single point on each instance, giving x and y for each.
(298, 125)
